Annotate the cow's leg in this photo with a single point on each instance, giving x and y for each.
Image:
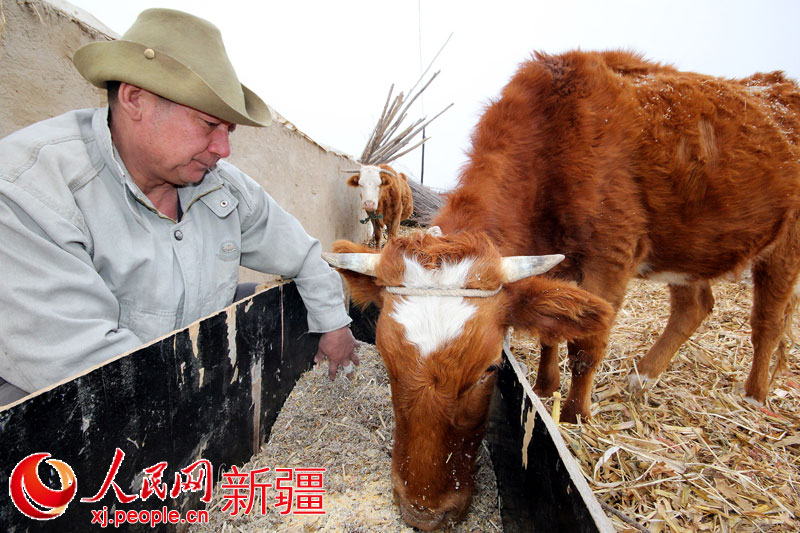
(377, 232)
(773, 284)
(547, 378)
(781, 366)
(395, 227)
(585, 355)
(689, 305)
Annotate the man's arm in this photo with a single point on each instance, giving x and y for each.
(275, 242)
(57, 317)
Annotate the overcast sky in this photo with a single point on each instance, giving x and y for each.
(327, 65)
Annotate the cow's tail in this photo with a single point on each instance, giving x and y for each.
(787, 339)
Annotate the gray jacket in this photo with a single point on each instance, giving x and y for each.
(90, 269)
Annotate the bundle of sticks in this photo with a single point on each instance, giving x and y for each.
(387, 142)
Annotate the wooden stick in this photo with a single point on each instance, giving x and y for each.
(388, 154)
(432, 61)
(624, 518)
(404, 152)
(383, 113)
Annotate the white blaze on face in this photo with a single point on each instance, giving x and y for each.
(433, 321)
(369, 185)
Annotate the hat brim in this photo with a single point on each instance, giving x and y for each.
(163, 75)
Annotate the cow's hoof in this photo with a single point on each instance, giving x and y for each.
(570, 413)
(753, 401)
(639, 382)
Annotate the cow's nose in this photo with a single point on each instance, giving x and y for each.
(369, 206)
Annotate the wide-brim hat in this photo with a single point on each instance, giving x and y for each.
(179, 57)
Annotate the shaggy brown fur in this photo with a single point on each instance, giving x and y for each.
(633, 168)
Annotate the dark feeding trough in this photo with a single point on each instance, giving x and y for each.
(209, 395)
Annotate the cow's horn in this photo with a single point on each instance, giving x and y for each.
(389, 172)
(361, 263)
(522, 266)
(351, 170)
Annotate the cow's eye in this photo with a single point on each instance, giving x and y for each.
(489, 372)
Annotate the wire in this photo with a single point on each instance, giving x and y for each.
(422, 100)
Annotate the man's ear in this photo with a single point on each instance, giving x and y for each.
(131, 100)
(353, 180)
(363, 289)
(556, 310)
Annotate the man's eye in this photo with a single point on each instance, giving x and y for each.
(211, 124)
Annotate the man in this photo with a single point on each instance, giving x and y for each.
(119, 225)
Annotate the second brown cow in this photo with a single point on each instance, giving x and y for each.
(385, 197)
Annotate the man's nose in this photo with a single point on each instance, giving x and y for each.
(220, 144)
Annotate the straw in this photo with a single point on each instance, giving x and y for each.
(689, 454)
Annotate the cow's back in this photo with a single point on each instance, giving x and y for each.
(719, 166)
(606, 153)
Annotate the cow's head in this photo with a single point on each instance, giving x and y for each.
(446, 303)
(369, 179)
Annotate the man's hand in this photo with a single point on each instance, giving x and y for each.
(339, 346)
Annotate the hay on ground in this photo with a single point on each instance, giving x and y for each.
(346, 427)
(689, 454)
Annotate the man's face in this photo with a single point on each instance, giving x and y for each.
(180, 144)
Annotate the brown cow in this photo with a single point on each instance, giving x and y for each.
(628, 168)
(446, 303)
(385, 197)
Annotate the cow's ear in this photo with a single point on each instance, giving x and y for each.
(363, 289)
(353, 180)
(556, 310)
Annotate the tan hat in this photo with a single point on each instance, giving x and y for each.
(177, 56)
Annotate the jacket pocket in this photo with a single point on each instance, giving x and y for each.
(147, 324)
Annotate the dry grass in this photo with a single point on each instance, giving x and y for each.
(346, 427)
(689, 454)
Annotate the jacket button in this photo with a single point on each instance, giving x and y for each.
(178, 235)
(223, 203)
